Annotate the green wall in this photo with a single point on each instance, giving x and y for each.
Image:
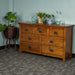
(27, 8)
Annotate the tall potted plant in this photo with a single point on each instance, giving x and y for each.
(10, 31)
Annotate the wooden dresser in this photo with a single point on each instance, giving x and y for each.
(49, 40)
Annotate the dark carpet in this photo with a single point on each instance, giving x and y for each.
(14, 63)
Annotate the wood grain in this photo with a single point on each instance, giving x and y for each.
(55, 41)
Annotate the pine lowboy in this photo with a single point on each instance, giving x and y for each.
(49, 40)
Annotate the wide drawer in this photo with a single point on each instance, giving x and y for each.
(32, 47)
(52, 50)
(30, 38)
(56, 32)
(27, 29)
(54, 41)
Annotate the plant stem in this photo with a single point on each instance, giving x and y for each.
(8, 23)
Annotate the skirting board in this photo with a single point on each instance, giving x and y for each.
(12, 45)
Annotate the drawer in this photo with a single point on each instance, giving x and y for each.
(40, 30)
(52, 50)
(30, 38)
(56, 32)
(56, 41)
(27, 29)
(32, 47)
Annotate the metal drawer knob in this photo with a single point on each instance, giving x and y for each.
(40, 31)
(55, 32)
(29, 46)
(51, 41)
(30, 38)
(51, 50)
(26, 29)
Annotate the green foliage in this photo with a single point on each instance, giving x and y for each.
(49, 16)
(40, 14)
(2, 27)
(10, 17)
(53, 15)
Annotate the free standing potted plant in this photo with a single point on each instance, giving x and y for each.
(10, 31)
(41, 17)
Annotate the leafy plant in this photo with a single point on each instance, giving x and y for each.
(2, 27)
(49, 16)
(10, 17)
(53, 15)
(40, 14)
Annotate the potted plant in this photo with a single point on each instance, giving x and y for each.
(10, 31)
(41, 17)
(49, 19)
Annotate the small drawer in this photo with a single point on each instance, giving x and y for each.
(40, 30)
(30, 38)
(52, 50)
(27, 29)
(56, 41)
(56, 32)
(25, 46)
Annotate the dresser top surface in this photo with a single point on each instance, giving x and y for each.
(54, 25)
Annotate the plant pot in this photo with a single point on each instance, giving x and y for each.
(10, 32)
(40, 20)
(49, 22)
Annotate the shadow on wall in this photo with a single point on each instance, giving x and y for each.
(4, 39)
(17, 24)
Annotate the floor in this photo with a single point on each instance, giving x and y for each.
(14, 63)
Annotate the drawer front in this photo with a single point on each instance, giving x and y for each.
(52, 50)
(56, 32)
(40, 30)
(32, 47)
(30, 38)
(27, 29)
(56, 41)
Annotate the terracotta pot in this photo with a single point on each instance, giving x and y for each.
(10, 32)
(40, 21)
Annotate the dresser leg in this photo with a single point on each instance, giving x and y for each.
(15, 43)
(64, 59)
(9, 43)
(70, 56)
(6, 44)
